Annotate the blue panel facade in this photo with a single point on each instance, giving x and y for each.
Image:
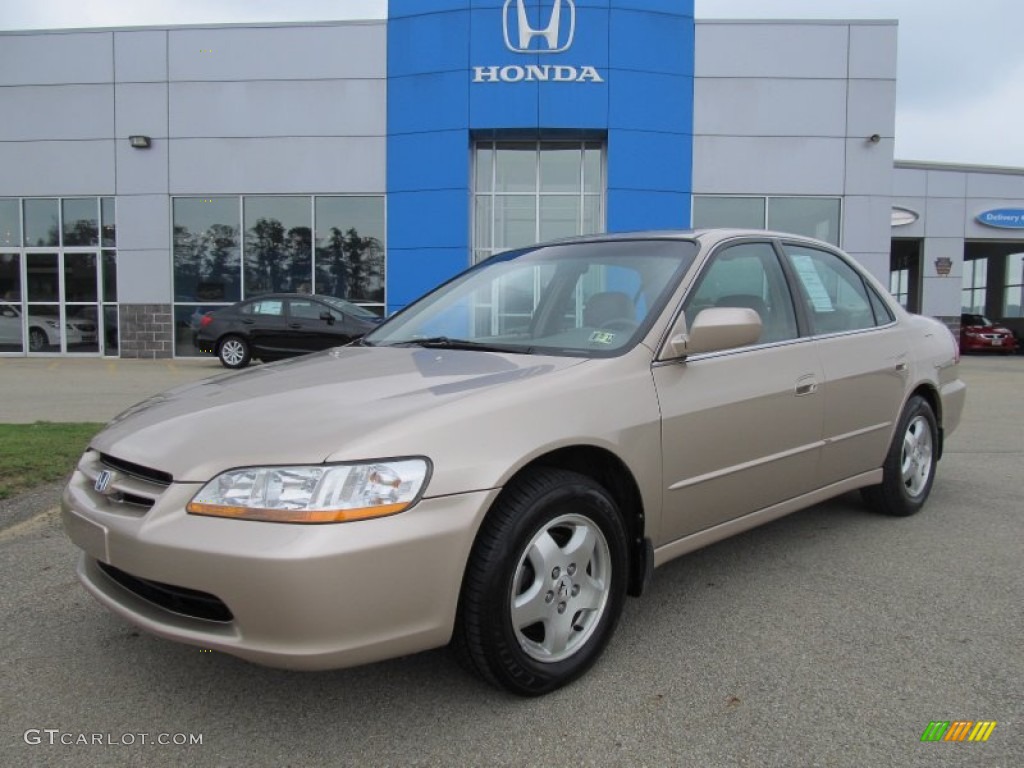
(622, 69)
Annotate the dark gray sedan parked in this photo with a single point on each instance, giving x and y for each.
(279, 325)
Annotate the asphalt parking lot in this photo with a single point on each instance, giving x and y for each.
(828, 638)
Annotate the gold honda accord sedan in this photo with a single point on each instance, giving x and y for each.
(499, 465)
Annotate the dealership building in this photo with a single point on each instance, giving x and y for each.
(153, 174)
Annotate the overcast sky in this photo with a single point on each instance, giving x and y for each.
(960, 94)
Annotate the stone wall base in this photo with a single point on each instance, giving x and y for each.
(146, 331)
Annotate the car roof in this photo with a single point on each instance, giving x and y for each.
(705, 235)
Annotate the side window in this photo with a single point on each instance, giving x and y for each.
(834, 294)
(305, 309)
(883, 315)
(747, 275)
(267, 308)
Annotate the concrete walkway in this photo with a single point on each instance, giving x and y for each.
(88, 389)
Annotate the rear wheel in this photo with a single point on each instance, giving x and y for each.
(234, 352)
(545, 583)
(909, 468)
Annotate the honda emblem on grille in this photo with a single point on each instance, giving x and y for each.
(103, 480)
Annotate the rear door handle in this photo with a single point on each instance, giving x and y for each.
(294, 325)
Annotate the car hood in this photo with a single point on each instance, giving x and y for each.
(332, 405)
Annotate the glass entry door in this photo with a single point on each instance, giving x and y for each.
(61, 303)
(12, 332)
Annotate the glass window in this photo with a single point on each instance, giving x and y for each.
(10, 303)
(110, 275)
(810, 216)
(265, 307)
(975, 283)
(515, 167)
(206, 253)
(40, 222)
(278, 245)
(43, 276)
(110, 332)
(883, 314)
(739, 212)
(560, 169)
(108, 226)
(750, 276)
(833, 292)
(10, 223)
(307, 310)
(515, 221)
(80, 277)
(527, 192)
(350, 237)
(186, 323)
(1012, 305)
(81, 221)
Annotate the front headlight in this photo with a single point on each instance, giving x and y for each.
(329, 493)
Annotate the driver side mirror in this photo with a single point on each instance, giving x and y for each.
(327, 317)
(714, 329)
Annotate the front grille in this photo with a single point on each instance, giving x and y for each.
(137, 470)
(180, 600)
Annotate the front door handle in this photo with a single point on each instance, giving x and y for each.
(294, 325)
(806, 385)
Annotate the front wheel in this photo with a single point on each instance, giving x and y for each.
(234, 352)
(545, 584)
(909, 468)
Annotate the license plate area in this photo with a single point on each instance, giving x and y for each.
(87, 535)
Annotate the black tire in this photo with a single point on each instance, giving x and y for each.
(233, 352)
(522, 551)
(37, 340)
(909, 469)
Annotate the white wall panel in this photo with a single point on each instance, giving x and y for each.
(739, 49)
(947, 184)
(40, 168)
(1009, 185)
(944, 217)
(871, 108)
(254, 166)
(796, 166)
(140, 108)
(909, 182)
(281, 53)
(769, 107)
(866, 223)
(873, 50)
(281, 108)
(143, 223)
(140, 56)
(144, 277)
(868, 167)
(142, 171)
(48, 112)
(56, 58)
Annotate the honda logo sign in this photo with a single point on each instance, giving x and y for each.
(555, 37)
(554, 34)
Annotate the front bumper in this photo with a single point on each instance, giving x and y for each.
(296, 596)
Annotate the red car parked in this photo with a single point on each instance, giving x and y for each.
(979, 334)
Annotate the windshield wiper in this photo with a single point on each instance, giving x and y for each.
(444, 342)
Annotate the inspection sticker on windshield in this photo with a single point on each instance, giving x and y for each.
(602, 337)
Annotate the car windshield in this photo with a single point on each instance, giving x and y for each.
(592, 299)
(349, 308)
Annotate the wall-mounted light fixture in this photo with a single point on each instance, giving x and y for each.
(140, 142)
(874, 138)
